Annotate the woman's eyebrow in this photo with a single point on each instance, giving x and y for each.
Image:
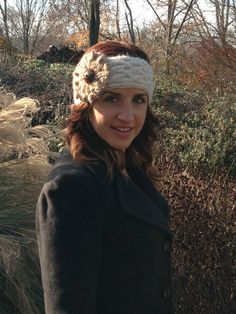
(141, 95)
(111, 93)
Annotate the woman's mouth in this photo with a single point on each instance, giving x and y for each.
(123, 132)
(121, 129)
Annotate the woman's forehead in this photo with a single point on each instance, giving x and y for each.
(125, 91)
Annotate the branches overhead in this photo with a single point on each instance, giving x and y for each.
(217, 33)
(26, 22)
(172, 16)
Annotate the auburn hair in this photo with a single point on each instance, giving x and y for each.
(86, 145)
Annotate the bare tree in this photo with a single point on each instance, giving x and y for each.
(26, 23)
(4, 14)
(75, 12)
(172, 15)
(84, 15)
(25, 18)
(217, 33)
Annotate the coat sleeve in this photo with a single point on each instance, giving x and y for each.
(69, 229)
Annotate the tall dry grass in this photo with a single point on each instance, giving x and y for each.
(23, 170)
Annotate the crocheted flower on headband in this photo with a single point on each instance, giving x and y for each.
(90, 77)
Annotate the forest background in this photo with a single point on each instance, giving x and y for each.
(192, 47)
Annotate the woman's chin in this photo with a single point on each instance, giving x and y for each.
(120, 148)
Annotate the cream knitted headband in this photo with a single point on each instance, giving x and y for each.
(97, 72)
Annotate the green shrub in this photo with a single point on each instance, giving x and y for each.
(33, 64)
(60, 69)
(202, 137)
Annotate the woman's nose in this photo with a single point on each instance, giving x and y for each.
(126, 113)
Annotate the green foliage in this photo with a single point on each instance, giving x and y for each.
(49, 69)
(54, 144)
(33, 64)
(60, 69)
(171, 93)
(201, 134)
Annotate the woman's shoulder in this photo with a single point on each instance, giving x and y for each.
(72, 174)
(66, 165)
(71, 191)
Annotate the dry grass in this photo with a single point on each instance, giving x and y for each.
(23, 170)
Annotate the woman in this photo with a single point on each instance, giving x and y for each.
(102, 227)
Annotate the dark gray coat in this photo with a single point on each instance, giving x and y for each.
(104, 243)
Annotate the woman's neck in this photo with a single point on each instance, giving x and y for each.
(120, 157)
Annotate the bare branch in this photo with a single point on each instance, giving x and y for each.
(130, 22)
(183, 20)
(157, 15)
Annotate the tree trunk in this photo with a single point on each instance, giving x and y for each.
(118, 20)
(94, 22)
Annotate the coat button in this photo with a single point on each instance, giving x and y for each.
(167, 292)
(166, 246)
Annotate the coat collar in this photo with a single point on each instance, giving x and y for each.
(139, 199)
(136, 195)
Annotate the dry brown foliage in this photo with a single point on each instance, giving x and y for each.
(203, 220)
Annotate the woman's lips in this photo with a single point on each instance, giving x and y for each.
(122, 130)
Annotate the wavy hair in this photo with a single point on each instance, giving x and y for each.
(86, 145)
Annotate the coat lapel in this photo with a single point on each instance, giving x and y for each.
(137, 203)
(137, 196)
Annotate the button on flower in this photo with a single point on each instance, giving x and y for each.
(89, 76)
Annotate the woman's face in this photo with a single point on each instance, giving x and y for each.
(119, 115)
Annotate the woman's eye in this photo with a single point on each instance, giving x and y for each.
(112, 99)
(140, 100)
